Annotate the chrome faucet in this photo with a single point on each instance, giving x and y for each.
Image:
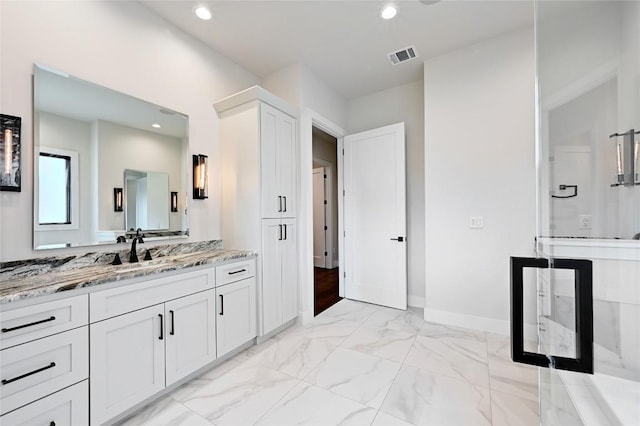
(133, 256)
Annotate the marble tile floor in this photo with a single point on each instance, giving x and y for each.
(359, 364)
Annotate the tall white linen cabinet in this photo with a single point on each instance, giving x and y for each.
(259, 180)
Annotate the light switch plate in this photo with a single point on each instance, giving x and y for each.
(476, 222)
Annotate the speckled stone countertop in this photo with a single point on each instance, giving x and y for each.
(38, 277)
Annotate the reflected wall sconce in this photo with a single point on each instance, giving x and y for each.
(200, 176)
(117, 199)
(626, 158)
(174, 201)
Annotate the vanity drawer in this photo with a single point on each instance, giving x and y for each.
(236, 271)
(69, 407)
(129, 298)
(39, 368)
(33, 322)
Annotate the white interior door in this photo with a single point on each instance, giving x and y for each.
(375, 217)
(319, 219)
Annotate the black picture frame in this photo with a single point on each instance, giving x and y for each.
(10, 161)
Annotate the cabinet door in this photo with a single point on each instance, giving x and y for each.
(271, 194)
(191, 334)
(271, 291)
(236, 322)
(68, 407)
(289, 259)
(286, 162)
(127, 361)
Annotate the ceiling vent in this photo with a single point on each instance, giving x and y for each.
(403, 55)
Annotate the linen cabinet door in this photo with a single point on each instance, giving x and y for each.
(191, 334)
(271, 194)
(286, 162)
(271, 289)
(127, 361)
(236, 319)
(289, 259)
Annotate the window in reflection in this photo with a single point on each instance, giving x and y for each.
(55, 189)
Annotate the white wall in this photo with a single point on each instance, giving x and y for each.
(299, 86)
(285, 83)
(479, 161)
(321, 98)
(402, 103)
(123, 46)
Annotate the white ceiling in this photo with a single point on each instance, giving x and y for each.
(344, 43)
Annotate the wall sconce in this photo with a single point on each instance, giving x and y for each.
(200, 177)
(174, 201)
(117, 199)
(10, 153)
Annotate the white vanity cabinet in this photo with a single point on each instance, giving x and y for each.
(137, 354)
(127, 361)
(236, 319)
(44, 362)
(259, 175)
(190, 326)
(68, 407)
(89, 358)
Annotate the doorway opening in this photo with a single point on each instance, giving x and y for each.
(325, 221)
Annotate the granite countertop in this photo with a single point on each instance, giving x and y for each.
(22, 280)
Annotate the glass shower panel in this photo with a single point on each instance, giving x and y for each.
(588, 84)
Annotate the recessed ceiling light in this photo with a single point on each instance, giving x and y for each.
(202, 13)
(388, 12)
(155, 126)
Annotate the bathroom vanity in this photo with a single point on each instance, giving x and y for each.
(92, 344)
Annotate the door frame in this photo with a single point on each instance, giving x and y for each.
(309, 119)
(328, 218)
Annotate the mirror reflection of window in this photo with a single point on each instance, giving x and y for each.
(55, 189)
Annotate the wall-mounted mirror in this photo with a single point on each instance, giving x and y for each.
(89, 140)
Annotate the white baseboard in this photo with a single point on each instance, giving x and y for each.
(415, 301)
(473, 322)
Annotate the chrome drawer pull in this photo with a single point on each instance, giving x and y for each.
(237, 272)
(7, 381)
(6, 330)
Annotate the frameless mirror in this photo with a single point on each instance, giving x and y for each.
(92, 143)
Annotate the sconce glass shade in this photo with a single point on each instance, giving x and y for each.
(174, 201)
(117, 199)
(200, 176)
(8, 150)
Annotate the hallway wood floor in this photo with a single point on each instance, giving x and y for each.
(325, 283)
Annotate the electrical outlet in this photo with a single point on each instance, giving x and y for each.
(586, 221)
(476, 222)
